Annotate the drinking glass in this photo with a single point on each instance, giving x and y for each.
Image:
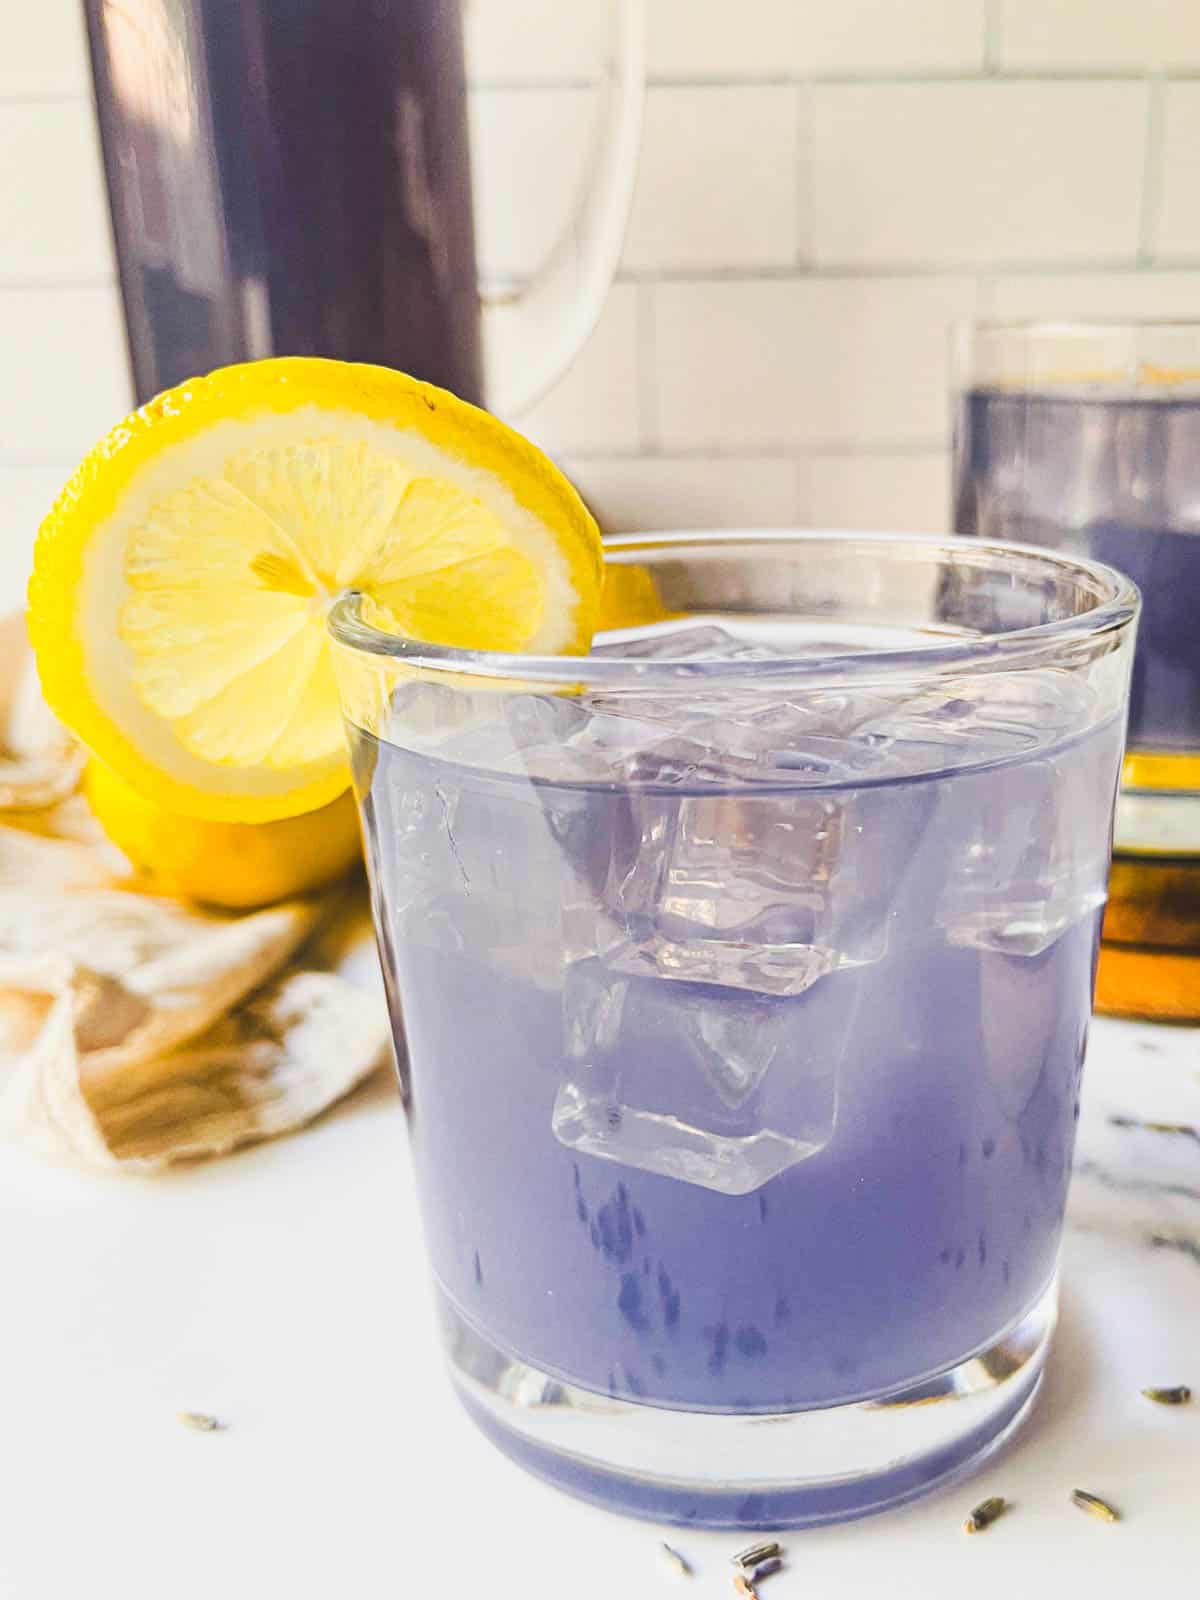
(1086, 438)
(743, 969)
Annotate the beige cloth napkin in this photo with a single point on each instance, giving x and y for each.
(137, 1030)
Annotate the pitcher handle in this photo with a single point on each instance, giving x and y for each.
(541, 327)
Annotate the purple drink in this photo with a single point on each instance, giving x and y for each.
(1115, 477)
(745, 972)
(926, 1097)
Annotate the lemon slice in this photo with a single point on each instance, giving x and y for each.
(181, 582)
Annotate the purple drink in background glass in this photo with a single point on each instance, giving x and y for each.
(1085, 437)
(1115, 476)
(745, 1014)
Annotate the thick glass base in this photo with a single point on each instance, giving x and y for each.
(1150, 957)
(773, 1470)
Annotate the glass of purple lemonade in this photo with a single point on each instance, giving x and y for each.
(742, 972)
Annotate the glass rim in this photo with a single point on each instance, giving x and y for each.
(1114, 611)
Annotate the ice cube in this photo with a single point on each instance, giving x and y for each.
(535, 736)
(1031, 864)
(422, 714)
(1034, 853)
(682, 1082)
(767, 893)
(536, 719)
(687, 642)
(745, 734)
(734, 1041)
(733, 753)
(772, 967)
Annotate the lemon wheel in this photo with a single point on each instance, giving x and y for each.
(181, 582)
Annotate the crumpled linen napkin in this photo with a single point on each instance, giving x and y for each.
(137, 1030)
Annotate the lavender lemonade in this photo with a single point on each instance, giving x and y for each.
(1115, 476)
(744, 1018)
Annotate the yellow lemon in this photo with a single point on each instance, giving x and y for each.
(232, 864)
(629, 598)
(181, 582)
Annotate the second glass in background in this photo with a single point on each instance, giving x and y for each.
(1086, 438)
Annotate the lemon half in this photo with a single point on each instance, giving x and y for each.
(181, 582)
(235, 865)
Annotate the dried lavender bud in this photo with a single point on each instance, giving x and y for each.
(1094, 1506)
(985, 1513)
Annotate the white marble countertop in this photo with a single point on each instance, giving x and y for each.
(284, 1291)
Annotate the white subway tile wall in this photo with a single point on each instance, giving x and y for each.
(775, 364)
(535, 41)
(710, 39)
(698, 40)
(53, 221)
(717, 181)
(901, 493)
(596, 407)
(26, 493)
(529, 154)
(64, 377)
(854, 37)
(1175, 225)
(825, 187)
(1063, 295)
(1096, 36)
(922, 173)
(689, 491)
(46, 54)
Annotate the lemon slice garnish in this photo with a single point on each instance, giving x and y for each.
(182, 580)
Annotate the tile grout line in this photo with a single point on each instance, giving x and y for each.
(847, 450)
(926, 77)
(887, 272)
(1152, 168)
(992, 36)
(803, 270)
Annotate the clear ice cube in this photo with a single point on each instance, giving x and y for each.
(541, 719)
(739, 1087)
(546, 737)
(765, 893)
(1034, 861)
(670, 641)
(1035, 834)
(422, 714)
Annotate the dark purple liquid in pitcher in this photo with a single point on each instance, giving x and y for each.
(289, 177)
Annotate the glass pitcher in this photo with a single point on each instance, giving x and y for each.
(292, 177)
